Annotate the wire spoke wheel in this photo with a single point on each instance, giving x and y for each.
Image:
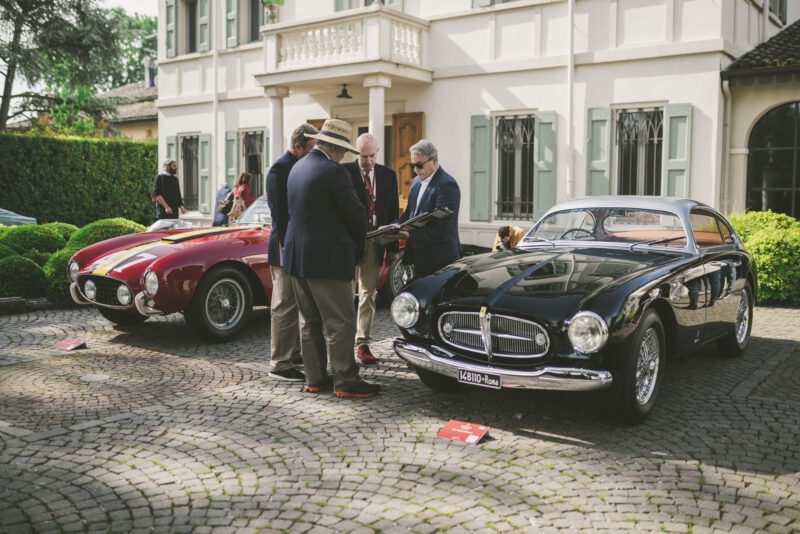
(743, 318)
(647, 365)
(225, 304)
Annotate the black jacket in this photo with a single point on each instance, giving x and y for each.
(327, 222)
(436, 244)
(387, 205)
(275, 187)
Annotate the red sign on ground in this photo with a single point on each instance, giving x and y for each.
(70, 344)
(461, 431)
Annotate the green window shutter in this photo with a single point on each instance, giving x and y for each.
(676, 163)
(172, 24)
(545, 143)
(480, 168)
(341, 5)
(204, 165)
(482, 3)
(172, 147)
(231, 157)
(598, 152)
(203, 25)
(231, 23)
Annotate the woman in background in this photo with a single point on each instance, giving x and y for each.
(242, 196)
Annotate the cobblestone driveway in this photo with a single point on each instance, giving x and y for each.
(151, 429)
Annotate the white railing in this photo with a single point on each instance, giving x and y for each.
(372, 33)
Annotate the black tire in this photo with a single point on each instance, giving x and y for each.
(637, 381)
(221, 305)
(734, 344)
(398, 276)
(437, 382)
(122, 317)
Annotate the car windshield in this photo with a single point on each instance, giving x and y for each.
(620, 225)
(257, 213)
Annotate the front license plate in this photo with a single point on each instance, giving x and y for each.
(479, 379)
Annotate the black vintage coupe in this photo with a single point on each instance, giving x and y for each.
(599, 293)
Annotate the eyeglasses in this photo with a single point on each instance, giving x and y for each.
(418, 165)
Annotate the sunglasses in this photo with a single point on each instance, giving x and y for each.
(418, 165)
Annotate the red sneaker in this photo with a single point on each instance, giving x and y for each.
(365, 356)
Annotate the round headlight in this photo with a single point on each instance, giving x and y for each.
(405, 310)
(90, 290)
(588, 332)
(124, 295)
(72, 271)
(150, 283)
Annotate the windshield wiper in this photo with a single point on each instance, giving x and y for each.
(658, 241)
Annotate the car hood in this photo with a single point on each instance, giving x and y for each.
(552, 283)
(130, 261)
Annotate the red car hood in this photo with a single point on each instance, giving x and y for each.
(128, 261)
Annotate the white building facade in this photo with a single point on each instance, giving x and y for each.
(529, 102)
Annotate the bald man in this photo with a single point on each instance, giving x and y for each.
(376, 186)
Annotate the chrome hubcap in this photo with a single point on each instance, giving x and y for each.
(225, 304)
(742, 319)
(647, 366)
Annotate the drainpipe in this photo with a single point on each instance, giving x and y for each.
(571, 104)
(726, 154)
(215, 105)
(764, 19)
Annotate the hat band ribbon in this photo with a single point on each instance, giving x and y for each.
(335, 135)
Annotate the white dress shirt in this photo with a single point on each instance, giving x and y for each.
(423, 185)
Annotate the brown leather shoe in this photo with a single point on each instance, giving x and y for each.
(365, 356)
(362, 390)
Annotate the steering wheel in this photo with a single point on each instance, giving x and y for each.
(575, 231)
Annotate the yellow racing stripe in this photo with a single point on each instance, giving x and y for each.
(196, 233)
(116, 259)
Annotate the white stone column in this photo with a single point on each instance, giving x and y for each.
(276, 95)
(377, 86)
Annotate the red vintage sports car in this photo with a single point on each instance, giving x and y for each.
(214, 276)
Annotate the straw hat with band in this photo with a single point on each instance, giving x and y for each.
(336, 132)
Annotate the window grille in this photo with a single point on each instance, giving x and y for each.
(191, 172)
(640, 143)
(514, 144)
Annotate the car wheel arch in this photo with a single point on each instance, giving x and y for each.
(668, 321)
(252, 278)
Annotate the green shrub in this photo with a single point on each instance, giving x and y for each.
(55, 270)
(65, 229)
(6, 251)
(103, 229)
(32, 237)
(20, 277)
(776, 254)
(78, 180)
(39, 258)
(749, 222)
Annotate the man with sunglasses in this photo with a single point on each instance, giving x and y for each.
(376, 186)
(436, 244)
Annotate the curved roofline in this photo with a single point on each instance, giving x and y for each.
(672, 204)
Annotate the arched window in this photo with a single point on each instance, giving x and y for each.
(773, 166)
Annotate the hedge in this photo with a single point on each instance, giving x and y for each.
(64, 229)
(55, 270)
(776, 254)
(20, 277)
(101, 230)
(6, 251)
(32, 237)
(77, 180)
(749, 222)
(39, 258)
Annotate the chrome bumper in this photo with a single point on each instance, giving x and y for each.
(140, 301)
(76, 295)
(440, 361)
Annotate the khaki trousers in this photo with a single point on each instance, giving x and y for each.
(327, 303)
(284, 340)
(368, 272)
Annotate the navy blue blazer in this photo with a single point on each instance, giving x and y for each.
(275, 187)
(436, 244)
(387, 202)
(327, 222)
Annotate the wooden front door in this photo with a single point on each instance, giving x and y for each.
(407, 129)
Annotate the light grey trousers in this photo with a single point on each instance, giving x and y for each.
(284, 342)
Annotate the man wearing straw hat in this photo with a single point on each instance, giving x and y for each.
(324, 241)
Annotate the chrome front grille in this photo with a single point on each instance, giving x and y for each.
(510, 337)
(106, 289)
